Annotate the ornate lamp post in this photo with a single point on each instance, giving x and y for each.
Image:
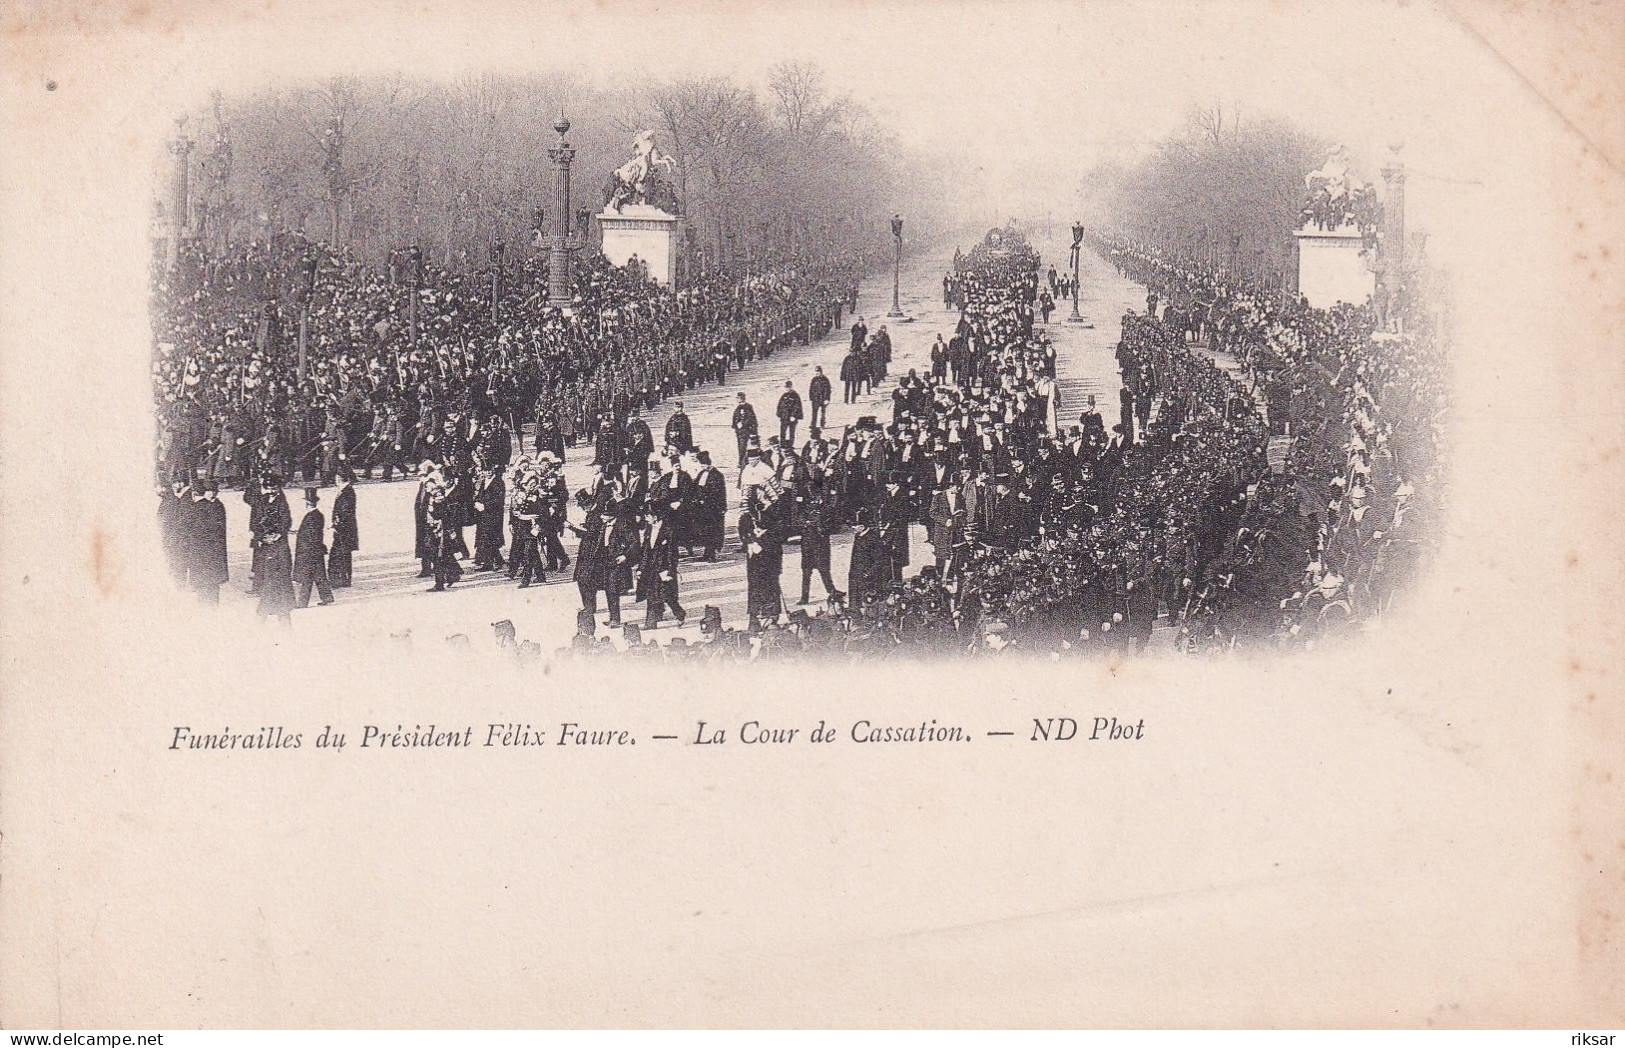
(180, 147)
(1077, 255)
(497, 249)
(306, 289)
(897, 264)
(560, 242)
(1391, 248)
(414, 276)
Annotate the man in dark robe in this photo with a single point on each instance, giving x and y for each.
(424, 545)
(173, 507)
(206, 543)
(640, 445)
(711, 507)
(490, 503)
(276, 566)
(604, 560)
(869, 574)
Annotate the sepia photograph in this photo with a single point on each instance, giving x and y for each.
(1048, 514)
(537, 333)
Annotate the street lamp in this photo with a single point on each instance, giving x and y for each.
(897, 264)
(497, 249)
(1077, 255)
(558, 261)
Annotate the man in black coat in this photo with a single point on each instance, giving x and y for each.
(851, 375)
(346, 533)
(206, 543)
(818, 394)
(870, 572)
(818, 515)
(609, 543)
(310, 555)
(173, 507)
(860, 334)
(763, 543)
(657, 570)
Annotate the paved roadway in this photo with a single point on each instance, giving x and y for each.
(388, 598)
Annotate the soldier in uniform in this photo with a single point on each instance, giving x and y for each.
(679, 436)
(744, 427)
(818, 396)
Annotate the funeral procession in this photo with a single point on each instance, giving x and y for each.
(580, 375)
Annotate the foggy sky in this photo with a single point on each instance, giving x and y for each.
(1028, 95)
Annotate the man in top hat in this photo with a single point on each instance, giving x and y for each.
(763, 542)
(310, 555)
(657, 569)
(346, 531)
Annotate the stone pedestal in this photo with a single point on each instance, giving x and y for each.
(1331, 268)
(646, 232)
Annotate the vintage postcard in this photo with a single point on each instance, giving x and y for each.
(885, 514)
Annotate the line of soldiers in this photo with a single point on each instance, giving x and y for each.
(231, 406)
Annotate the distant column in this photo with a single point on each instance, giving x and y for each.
(558, 259)
(1392, 253)
(180, 147)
